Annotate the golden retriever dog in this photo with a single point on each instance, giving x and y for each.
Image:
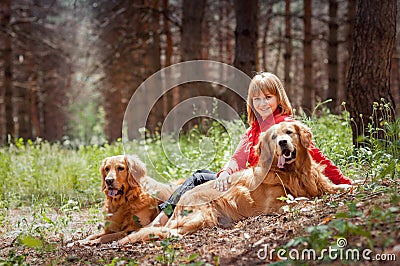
(285, 166)
(132, 198)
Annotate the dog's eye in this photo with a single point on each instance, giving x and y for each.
(120, 168)
(274, 136)
(107, 169)
(289, 132)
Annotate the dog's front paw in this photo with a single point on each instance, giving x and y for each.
(343, 187)
(88, 242)
(124, 241)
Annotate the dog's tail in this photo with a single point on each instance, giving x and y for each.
(147, 234)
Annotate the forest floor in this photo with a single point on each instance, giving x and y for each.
(318, 224)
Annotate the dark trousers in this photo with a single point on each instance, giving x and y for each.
(197, 178)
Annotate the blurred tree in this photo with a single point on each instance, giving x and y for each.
(368, 80)
(191, 49)
(121, 30)
(246, 34)
(152, 61)
(308, 99)
(24, 74)
(333, 71)
(172, 95)
(265, 32)
(5, 17)
(51, 52)
(350, 16)
(288, 50)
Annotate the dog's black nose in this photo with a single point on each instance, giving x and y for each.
(282, 142)
(109, 181)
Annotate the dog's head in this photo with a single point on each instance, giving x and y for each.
(288, 141)
(119, 173)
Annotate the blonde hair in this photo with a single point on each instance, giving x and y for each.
(267, 83)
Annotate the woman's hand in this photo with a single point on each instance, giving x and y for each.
(223, 182)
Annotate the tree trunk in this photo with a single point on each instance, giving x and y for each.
(368, 80)
(33, 107)
(5, 9)
(288, 50)
(154, 58)
(246, 36)
(193, 14)
(229, 43)
(168, 97)
(395, 78)
(350, 18)
(23, 75)
(333, 72)
(114, 113)
(308, 100)
(167, 32)
(55, 99)
(191, 43)
(246, 41)
(264, 46)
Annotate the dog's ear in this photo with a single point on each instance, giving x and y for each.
(265, 148)
(260, 144)
(103, 174)
(136, 169)
(305, 134)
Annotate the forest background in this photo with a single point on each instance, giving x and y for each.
(69, 68)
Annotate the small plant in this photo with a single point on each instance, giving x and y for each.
(170, 250)
(122, 261)
(13, 259)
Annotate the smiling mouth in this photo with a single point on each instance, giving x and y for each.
(287, 156)
(115, 192)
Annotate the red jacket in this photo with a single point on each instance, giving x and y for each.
(245, 155)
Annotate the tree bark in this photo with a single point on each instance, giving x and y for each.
(333, 72)
(308, 101)
(288, 50)
(246, 36)
(5, 9)
(264, 46)
(154, 59)
(191, 45)
(368, 80)
(349, 28)
(193, 14)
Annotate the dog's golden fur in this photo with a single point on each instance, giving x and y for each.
(254, 191)
(131, 197)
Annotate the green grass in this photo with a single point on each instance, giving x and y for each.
(57, 181)
(37, 172)
(40, 172)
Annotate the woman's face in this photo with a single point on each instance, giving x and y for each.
(265, 104)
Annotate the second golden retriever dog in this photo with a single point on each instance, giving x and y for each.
(132, 197)
(285, 166)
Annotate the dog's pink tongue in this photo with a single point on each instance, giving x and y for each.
(112, 193)
(281, 161)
